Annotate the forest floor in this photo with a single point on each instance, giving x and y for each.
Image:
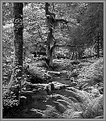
(77, 92)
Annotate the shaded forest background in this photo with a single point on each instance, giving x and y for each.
(51, 40)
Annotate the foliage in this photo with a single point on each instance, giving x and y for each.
(51, 112)
(83, 22)
(7, 12)
(8, 53)
(93, 74)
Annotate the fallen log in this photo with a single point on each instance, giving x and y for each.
(54, 72)
(57, 85)
(25, 93)
(38, 85)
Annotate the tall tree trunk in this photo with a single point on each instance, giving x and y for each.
(15, 82)
(49, 50)
(50, 36)
(52, 22)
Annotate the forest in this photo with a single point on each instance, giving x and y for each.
(53, 60)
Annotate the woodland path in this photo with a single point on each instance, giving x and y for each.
(53, 99)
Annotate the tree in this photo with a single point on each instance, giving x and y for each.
(52, 23)
(15, 81)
